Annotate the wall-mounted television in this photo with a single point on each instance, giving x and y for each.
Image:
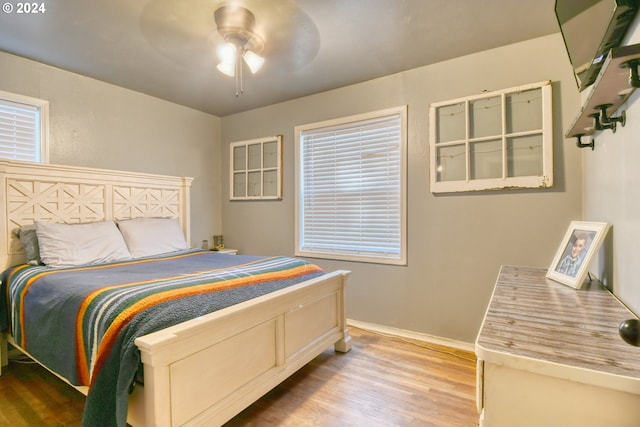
(590, 29)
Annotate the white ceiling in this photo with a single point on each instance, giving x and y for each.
(162, 48)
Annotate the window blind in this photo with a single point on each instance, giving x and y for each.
(351, 189)
(19, 131)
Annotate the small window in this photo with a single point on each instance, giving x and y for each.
(500, 139)
(256, 169)
(24, 128)
(350, 188)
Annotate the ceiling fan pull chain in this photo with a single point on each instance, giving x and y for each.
(239, 62)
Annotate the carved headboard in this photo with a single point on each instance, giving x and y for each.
(70, 194)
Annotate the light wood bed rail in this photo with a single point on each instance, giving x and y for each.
(206, 370)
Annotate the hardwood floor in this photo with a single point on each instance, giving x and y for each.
(32, 396)
(382, 381)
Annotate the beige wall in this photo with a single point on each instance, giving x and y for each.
(96, 124)
(456, 242)
(611, 183)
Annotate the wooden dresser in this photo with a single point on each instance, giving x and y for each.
(550, 356)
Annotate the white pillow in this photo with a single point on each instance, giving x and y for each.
(152, 236)
(70, 245)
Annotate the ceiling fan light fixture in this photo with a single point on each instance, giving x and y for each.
(227, 53)
(253, 61)
(235, 24)
(227, 68)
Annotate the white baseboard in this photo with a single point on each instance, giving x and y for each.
(403, 333)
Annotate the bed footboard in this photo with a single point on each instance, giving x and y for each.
(207, 370)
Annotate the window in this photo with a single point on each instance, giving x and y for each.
(351, 188)
(499, 139)
(255, 171)
(24, 128)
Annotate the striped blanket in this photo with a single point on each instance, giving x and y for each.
(82, 322)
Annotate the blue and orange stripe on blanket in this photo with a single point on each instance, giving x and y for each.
(45, 271)
(92, 351)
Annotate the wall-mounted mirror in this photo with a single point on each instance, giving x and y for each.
(590, 29)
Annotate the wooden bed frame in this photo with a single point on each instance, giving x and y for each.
(206, 370)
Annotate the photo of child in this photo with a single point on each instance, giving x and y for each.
(580, 244)
(574, 253)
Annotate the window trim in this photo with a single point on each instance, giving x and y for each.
(402, 259)
(43, 106)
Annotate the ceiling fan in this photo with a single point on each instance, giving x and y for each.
(242, 44)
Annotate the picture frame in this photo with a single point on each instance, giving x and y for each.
(255, 171)
(577, 249)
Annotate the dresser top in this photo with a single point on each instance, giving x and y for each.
(536, 324)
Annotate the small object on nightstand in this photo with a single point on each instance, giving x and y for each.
(218, 242)
(205, 245)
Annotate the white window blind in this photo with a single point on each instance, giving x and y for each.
(23, 128)
(352, 179)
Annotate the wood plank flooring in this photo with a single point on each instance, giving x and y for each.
(383, 381)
